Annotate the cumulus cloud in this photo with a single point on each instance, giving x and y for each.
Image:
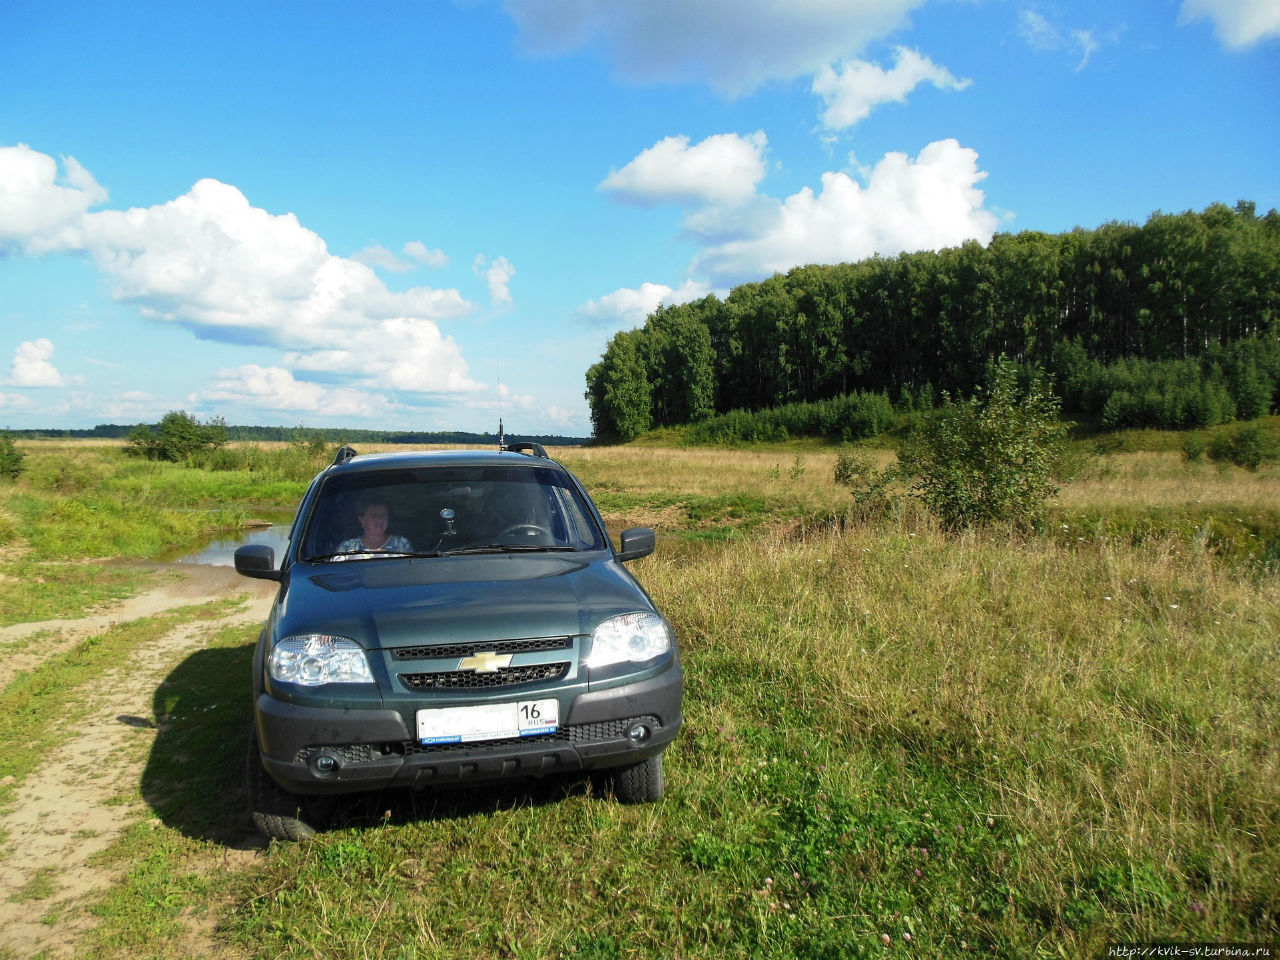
(1236, 23)
(400, 353)
(498, 275)
(417, 250)
(854, 88)
(627, 307)
(36, 202)
(229, 271)
(31, 365)
(274, 388)
(1042, 34)
(732, 45)
(14, 401)
(721, 169)
(930, 202)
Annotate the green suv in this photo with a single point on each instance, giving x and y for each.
(453, 618)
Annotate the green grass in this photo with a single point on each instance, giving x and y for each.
(1010, 746)
(35, 591)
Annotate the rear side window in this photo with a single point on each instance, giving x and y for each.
(436, 509)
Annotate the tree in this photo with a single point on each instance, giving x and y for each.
(179, 437)
(10, 458)
(990, 458)
(618, 389)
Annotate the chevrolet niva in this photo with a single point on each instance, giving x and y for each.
(453, 618)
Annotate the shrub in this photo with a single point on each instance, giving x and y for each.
(178, 437)
(870, 485)
(11, 458)
(1247, 447)
(990, 458)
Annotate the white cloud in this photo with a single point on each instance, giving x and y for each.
(561, 416)
(628, 308)
(417, 250)
(36, 203)
(400, 353)
(382, 258)
(853, 90)
(498, 274)
(14, 401)
(274, 388)
(721, 169)
(732, 45)
(1237, 23)
(926, 203)
(1042, 34)
(31, 366)
(229, 271)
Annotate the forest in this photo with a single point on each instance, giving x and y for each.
(1172, 323)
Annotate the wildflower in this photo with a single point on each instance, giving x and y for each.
(886, 939)
(906, 937)
(990, 822)
(768, 881)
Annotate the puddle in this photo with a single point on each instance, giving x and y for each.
(220, 553)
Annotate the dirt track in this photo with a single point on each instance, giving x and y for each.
(64, 811)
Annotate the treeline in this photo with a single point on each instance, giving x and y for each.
(327, 434)
(1172, 323)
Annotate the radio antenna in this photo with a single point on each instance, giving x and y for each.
(502, 438)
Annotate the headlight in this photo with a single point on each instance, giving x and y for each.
(632, 637)
(316, 658)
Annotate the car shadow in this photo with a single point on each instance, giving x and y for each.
(194, 778)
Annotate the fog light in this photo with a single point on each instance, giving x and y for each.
(324, 764)
(638, 733)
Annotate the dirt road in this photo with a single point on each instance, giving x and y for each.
(69, 808)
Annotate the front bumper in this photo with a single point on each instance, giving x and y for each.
(331, 750)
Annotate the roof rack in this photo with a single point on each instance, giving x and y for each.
(344, 454)
(531, 449)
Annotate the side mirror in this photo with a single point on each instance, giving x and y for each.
(636, 542)
(256, 560)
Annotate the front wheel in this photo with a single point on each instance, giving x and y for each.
(277, 813)
(641, 782)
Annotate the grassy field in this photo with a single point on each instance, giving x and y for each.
(898, 742)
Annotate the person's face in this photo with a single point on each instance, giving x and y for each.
(374, 520)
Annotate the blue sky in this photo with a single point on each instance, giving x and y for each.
(412, 215)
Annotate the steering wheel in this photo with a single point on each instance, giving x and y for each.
(528, 529)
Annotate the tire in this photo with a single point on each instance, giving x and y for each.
(641, 782)
(277, 813)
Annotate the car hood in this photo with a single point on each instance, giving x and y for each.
(388, 603)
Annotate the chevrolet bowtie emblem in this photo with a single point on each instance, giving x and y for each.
(486, 662)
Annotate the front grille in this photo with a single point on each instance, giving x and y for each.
(471, 680)
(536, 645)
(578, 733)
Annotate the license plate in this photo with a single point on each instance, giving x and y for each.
(489, 721)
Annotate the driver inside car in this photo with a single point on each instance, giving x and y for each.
(375, 517)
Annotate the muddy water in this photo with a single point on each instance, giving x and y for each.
(219, 552)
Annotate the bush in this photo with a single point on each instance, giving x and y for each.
(11, 458)
(1247, 447)
(989, 459)
(178, 437)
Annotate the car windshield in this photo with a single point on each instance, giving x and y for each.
(434, 511)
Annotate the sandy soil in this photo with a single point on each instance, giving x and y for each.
(67, 810)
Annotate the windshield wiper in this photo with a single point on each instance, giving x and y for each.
(507, 548)
(367, 554)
